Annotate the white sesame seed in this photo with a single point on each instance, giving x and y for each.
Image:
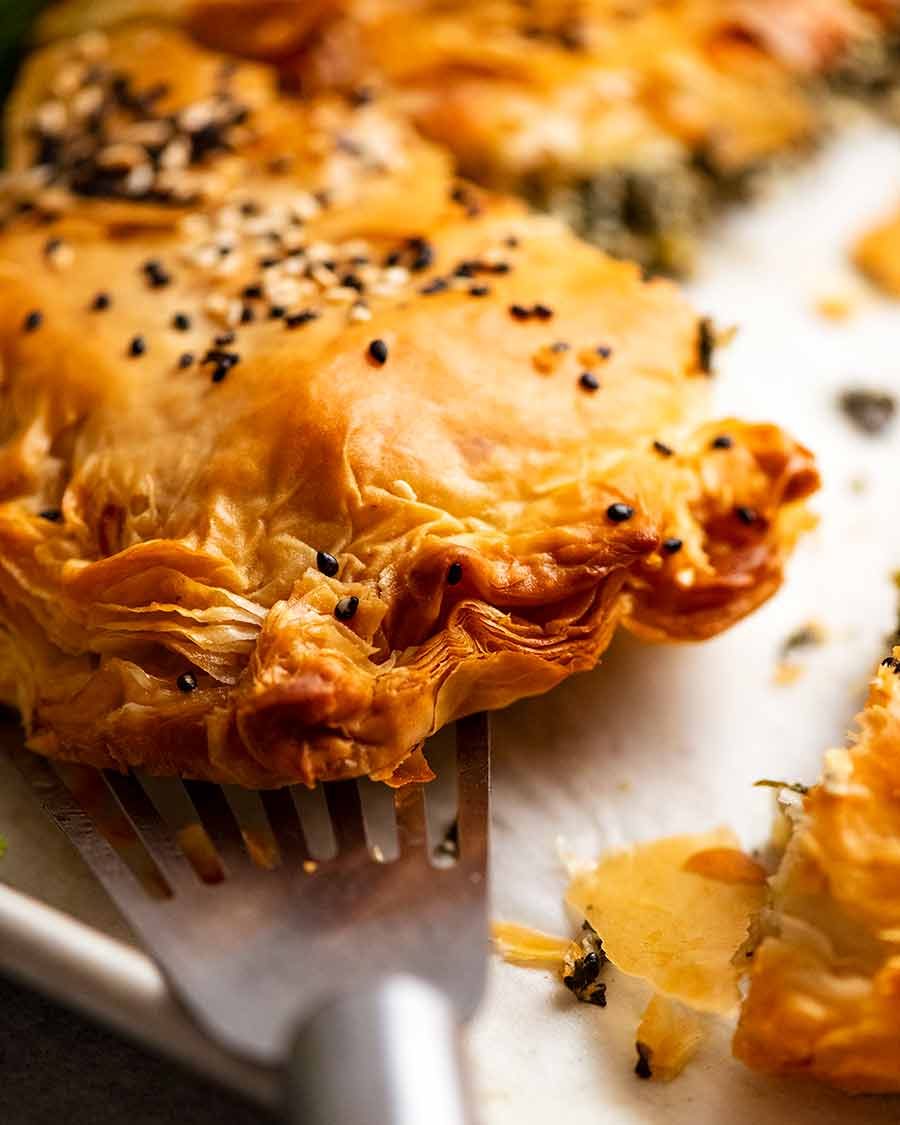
(396, 275)
(51, 118)
(340, 294)
(92, 45)
(360, 312)
(320, 251)
(139, 180)
(304, 206)
(197, 116)
(68, 79)
(87, 101)
(324, 277)
(176, 154)
(194, 225)
(121, 156)
(61, 256)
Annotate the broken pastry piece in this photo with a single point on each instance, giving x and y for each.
(300, 462)
(877, 255)
(824, 985)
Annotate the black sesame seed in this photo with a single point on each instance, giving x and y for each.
(249, 208)
(589, 381)
(33, 321)
(362, 96)
(247, 314)
(706, 343)
(619, 512)
(351, 281)
(296, 320)
(378, 352)
(662, 449)
(511, 241)
(187, 682)
(137, 346)
(51, 515)
(276, 312)
(327, 564)
(672, 546)
(722, 441)
(603, 350)
(156, 274)
(185, 359)
(542, 312)
(746, 515)
(101, 302)
(436, 285)
(642, 1067)
(479, 290)
(454, 574)
(519, 312)
(220, 371)
(224, 340)
(252, 292)
(181, 322)
(346, 608)
(893, 663)
(52, 245)
(267, 263)
(559, 346)
(500, 268)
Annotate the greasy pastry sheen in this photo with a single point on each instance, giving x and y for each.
(824, 997)
(311, 450)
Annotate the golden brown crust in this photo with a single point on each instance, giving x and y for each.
(464, 484)
(825, 982)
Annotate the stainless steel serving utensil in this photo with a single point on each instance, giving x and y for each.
(291, 936)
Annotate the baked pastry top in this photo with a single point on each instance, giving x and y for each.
(313, 450)
(630, 120)
(825, 978)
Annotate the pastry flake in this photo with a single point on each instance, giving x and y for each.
(824, 978)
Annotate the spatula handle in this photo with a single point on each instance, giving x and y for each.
(385, 1056)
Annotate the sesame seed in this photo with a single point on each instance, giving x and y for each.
(224, 340)
(185, 359)
(186, 682)
(137, 346)
(706, 343)
(589, 381)
(722, 441)
(436, 285)
(619, 512)
(559, 346)
(101, 302)
(181, 322)
(454, 574)
(746, 514)
(156, 274)
(252, 292)
(542, 312)
(378, 352)
(296, 320)
(519, 312)
(346, 608)
(672, 545)
(276, 312)
(479, 290)
(327, 564)
(51, 515)
(220, 372)
(247, 314)
(662, 449)
(33, 321)
(603, 350)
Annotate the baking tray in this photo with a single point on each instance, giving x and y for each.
(657, 740)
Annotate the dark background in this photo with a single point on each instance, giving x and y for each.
(55, 1068)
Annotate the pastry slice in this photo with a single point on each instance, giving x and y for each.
(309, 462)
(824, 989)
(629, 120)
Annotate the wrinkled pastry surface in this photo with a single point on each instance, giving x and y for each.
(824, 998)
(156, 522)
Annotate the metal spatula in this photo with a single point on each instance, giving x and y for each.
(352, 972)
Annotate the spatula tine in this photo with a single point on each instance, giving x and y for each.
(473, 763)
(412, 828)
(219, 821)
(285, 823)
(150, 826)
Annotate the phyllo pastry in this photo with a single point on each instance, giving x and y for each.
(824, 997)
(630, 120)
(315, 455)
